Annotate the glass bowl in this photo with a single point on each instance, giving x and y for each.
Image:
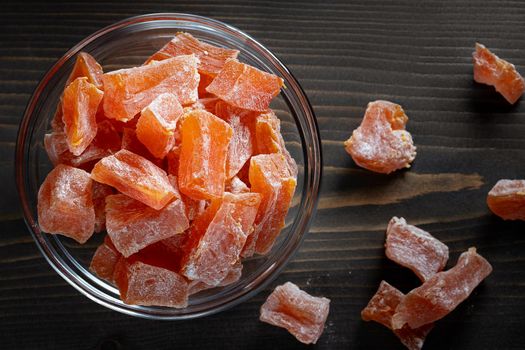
(129, 43)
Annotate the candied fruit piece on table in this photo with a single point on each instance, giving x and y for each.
(270, 140)
(133, 225)
(136, 177)
(100, 192)
(104, 260)
(144, 284)
(382, 307)
(491, 70)
(270, 177)
(128, 91)
(203, 151)
(443, 292)
(415, 249)
(210, 259)
(381, 143)
(242, 143)
(157, 124)
(79, 108)
(65, 204)
(303, 315)
(507, 199)
(244, 86)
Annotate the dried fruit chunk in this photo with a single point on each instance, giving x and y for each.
(270, 177)
(157, 123)
(300, 313)
(212, 58)
(491, 70)
(136, 177)
(270, 140)
(133, 225)
(242, 143)
(86, 66)
(100, 192)
(219, 248)
(244, 86)
(443, 292)
(233, 276)
(104, 260)
(128, 91)
(65, 204)
(79, 108)
(381, 143)
(415, 249)
(143, 284)
(507, 199)
(382, 307)
(203, 151)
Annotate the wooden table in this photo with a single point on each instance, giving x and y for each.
(345, 55)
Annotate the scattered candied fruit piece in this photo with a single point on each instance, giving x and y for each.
(270, 177)
(300, 313)
(203, 152)
(415, 249)
(244, 86)
(241, 146)
(491, 70)
(381, 143)
(382, 307)
(104, 260)
(133, 225)
(79, 108)
(86, 66)
(65, 204)
(128, 91)
(443, 292)
(219, 248)
(100, 192)
(507, 199)
(136, 177)
(157, 123)
(143, 284)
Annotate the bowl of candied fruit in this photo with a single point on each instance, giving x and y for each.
(168, 166)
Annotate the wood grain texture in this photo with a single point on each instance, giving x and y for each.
(344, 54)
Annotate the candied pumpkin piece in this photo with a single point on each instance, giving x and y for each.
(136, 177)
(128, 91)
(203, 150)
(382, 307)
(212, 58)
(381, 143)
(104, 260)
(219, 248)
(411, 247)
(133, 225)
(270, 140)
(143, 284)
(270, 177)
(507, 199)
(443, 292)
(157, 124)
(100, 192)
(233, 276)
(244, 86)
(65, 204)
(491, 70)
(79, 108)
(300, 313)
(86, 66)
(242, 143)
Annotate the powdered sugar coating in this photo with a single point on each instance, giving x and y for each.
(507, 199)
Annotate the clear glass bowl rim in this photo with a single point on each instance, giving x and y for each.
(313, 158)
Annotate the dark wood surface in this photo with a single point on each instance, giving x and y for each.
(344, 54)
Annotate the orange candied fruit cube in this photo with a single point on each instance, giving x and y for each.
(507, 199)
(157, 123)
(203, 151)
(244, 86)
(136, 177)
(79, 108)
(128, 91)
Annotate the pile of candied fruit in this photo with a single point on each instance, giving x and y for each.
(182, 162)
